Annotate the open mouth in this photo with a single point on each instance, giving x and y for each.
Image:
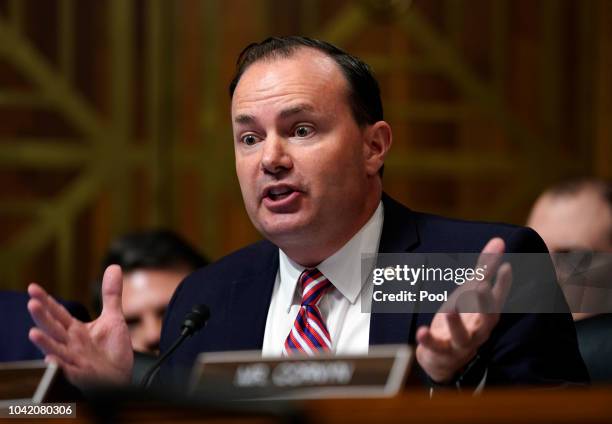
(279, 193)
(282, 198)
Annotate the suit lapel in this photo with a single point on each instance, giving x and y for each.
(250, 296)
(399, 234)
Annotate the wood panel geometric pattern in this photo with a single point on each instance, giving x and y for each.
(115, 113)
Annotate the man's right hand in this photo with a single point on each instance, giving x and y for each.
(96, 352)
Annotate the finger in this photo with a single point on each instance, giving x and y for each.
(485, 324)
(51, 306)
(36, 291)
(490, 257)
(112, 287)
(476, 300)
(50, 358)
(502, 285)
(69, 370)
(425, 338)
(460, 338)
(49, 346)
(45, 322)
(495, 246)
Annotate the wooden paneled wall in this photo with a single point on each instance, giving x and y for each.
(114, 114)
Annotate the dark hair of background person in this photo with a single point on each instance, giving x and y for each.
(152, 249)
(364, 92)
(574, 186)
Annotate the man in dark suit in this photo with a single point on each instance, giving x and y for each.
(521, 349)
(14, 342)
(310, 143)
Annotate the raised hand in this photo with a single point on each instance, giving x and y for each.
(96, 352)
(453, 338)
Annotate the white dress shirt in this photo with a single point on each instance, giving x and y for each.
(348, 326)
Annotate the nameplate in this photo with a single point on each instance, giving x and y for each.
(246, 375)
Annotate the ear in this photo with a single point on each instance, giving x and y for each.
(378, 140)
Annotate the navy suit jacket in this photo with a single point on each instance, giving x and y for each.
(16, 323)
(522, 349)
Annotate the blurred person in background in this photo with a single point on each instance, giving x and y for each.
(576, 216)
(16, 323)
(154, 263)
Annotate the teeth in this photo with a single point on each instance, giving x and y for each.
(278, 191)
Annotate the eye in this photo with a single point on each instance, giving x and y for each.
(249, 139)
(303, 131)
(132, 322)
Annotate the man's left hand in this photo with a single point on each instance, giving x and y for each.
(453, 338)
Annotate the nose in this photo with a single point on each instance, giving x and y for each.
(152, 333)
(275, 156)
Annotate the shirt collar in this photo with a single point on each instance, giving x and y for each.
(342, 269)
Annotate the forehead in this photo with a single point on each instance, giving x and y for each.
(146, 285)
(581, 220)
(307, 75)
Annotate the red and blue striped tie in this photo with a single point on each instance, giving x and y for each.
(309, 334)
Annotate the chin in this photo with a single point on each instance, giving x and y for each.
(278, 229)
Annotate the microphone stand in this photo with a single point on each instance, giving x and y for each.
(147, 379)
(193, 322)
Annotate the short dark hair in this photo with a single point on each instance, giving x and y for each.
(577, 185)
(152, 249)
(574, 186)
(364, 91)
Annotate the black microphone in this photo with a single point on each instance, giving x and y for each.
(193, 322)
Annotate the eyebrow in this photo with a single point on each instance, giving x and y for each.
(294, 110)
(244, 119)
(285, 113)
